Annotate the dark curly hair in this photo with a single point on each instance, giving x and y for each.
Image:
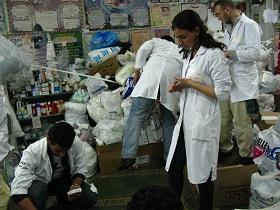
(62, 133)
(155, 198)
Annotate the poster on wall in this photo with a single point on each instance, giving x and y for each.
(104, 14)
(52, 15)
(123, 35)
(201, 9)
(70, 41)
(3, 20)
(163, 14)
(138, 37)
(160, 15)
(26, 43)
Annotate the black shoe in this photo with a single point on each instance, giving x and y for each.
(126, 163)
(246, 160)
(223, 156)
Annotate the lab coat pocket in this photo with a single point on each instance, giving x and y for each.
(202, 127)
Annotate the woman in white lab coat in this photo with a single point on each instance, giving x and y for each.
(205, 80)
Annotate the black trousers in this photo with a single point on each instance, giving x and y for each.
(176, 176)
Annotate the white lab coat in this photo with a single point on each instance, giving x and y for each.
(35, 165)
(5, 147)
(200, 114)
(245, 41)
(163, 65)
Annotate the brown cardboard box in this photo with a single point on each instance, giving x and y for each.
(109, 67)
(273, 114)
(109, 155)
(232, 187)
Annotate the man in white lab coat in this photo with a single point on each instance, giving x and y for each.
(53, 165)
(159, 62)
(242, 38)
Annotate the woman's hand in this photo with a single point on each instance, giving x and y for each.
(179, 84)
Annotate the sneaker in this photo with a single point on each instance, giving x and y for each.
(126, 163)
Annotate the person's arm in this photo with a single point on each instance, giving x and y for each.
(79, 163)
(26, 204)
(24, 176)
(250, 50)
(143, 53)
(136, 75)
(181, 83)
(219, 72)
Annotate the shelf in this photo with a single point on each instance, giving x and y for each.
(40, 98)
(44, 117)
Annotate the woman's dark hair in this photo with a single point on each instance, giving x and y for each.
(62, 133)
(189, 20)
(168, 38)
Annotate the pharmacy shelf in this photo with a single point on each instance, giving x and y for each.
(44, 98)
(58, 115)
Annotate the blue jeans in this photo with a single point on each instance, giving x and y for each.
(140, 110)
(39, 191)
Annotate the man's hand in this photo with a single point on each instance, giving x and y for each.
(136, 76)
(72, 196)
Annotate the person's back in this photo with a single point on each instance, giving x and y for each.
(158, 62)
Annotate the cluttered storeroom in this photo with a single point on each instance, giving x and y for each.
(139, 104)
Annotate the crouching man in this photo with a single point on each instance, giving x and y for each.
(55, 165)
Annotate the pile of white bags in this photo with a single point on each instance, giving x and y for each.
(265, 184)
(265, 190)
(106, 105)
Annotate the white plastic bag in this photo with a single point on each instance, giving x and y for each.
(98, 112)
(102, 55)
(95, 86)
(12, 59)
(111, 101)
(123, 73)
(265, 190)
(109, 131)
(265, 151)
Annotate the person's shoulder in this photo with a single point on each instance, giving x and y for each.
(215, 54)
(248, 20)
(37, 145)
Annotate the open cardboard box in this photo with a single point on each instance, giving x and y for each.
(270, 118)
(232, 187)
(109, 156)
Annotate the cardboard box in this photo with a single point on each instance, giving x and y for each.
(109, 156)
(109, 67)
(270, 118)
(232, 187)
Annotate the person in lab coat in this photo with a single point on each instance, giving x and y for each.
(242, 38)
(53, 165)
(160, 62)
(204, 82)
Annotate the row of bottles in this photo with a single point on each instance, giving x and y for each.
(25, 110)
